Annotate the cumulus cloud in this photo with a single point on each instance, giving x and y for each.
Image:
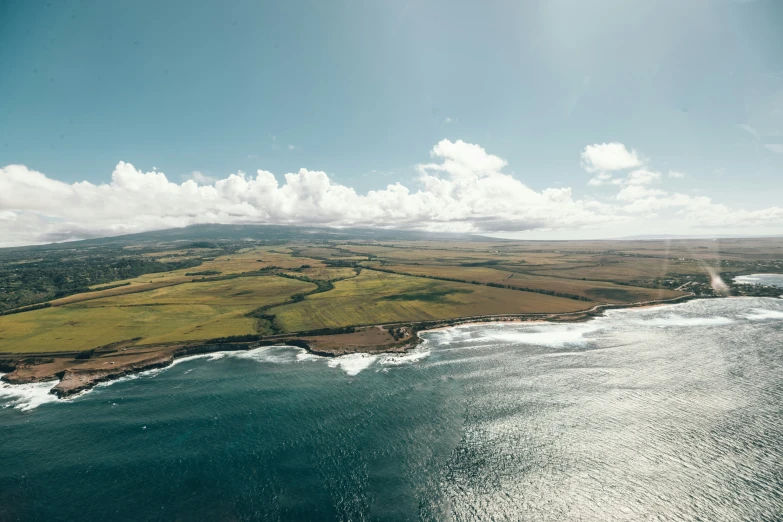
(635, 192)
(643, 177)
(601, 179)
(198, 177)
(461, 189)
(704, 212)
(605, 178)
(638, 198)
(603, 157)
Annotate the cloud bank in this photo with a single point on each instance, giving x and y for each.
(462, 189)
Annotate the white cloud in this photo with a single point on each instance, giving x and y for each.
(448, 119)
(676, 175)
(291, 147)
(701, 211)
(635, 192)
(462, 189)
(602, 178)
(643, 177)
(777, 148)
(635, 177)
(602, 157)
(198, 177)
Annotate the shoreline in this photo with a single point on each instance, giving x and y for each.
(75, 376)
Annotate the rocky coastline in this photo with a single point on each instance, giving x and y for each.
(77, 373)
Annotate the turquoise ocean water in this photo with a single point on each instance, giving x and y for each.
(674, 412)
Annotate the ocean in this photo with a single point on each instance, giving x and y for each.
(664, 413)
(761, 279)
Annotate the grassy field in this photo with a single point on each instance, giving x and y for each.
(625, 269)
(324, 273)
(190, 311)
(171, 306)
(379, 297)
(599, 291)
(249, 260)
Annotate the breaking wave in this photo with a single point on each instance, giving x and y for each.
(26, 397)
(679, 320)
(354, 363)
(467, 338)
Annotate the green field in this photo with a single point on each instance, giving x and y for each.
(301, 285)
(624, 269)
(378, 297)
(599, 291)
(191, 311)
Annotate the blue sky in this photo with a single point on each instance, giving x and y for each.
(363, 91)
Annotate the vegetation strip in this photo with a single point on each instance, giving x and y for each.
(493, 285)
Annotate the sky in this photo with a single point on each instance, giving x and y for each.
(535, 120)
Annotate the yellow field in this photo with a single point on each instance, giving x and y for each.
(189, 311)
(325, 252)
(624, 269)
(325, 273)
(378, 297)
(456, 256)
(254, 259)
(425, 255)
(171, 306)
(599, 291)
(249, 260)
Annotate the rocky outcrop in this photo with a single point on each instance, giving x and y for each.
(16, 378)
(74, 381)
(8, 365)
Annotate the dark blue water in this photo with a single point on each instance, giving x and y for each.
(673, 412)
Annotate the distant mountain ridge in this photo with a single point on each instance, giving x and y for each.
(268, 232)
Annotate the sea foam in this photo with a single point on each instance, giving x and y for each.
(411, 357)
(354, 363)
(678, 320)
(26, 397)
(304, 355)
(762, 314)
(551, 335)
(279, 354)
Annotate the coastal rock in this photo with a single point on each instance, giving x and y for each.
(74, 381)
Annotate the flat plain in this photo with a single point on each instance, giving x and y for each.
(375, 297)
(234, 288)
(184, 312)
